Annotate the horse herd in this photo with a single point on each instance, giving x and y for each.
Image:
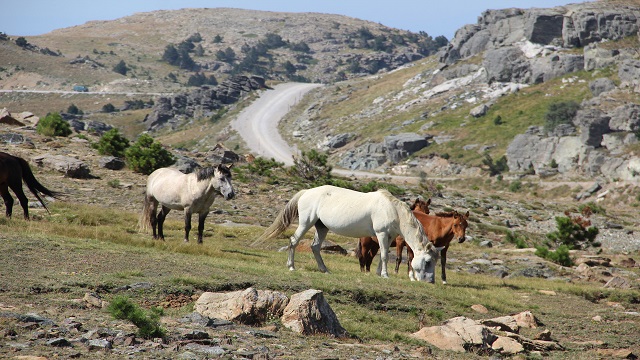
(378, 219)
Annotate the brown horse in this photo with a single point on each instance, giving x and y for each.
(14, 170)
(367, 247)
(440, 229)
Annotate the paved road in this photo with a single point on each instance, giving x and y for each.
(258, 123)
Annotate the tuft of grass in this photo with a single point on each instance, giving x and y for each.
(148, 323)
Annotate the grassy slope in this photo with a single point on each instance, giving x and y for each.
(84, 248)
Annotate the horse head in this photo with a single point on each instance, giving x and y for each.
(460, 226)
(223, 177)
(421, 205)
(423, 265)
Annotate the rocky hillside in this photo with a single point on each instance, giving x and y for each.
(489, 92)
(218, 41)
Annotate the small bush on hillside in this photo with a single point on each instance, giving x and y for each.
(312, 167)
(560, 113)
(53, 125)
(112, 143)
(575, 232)
(108, 108)
(263, 167)
(516, 239)
(515, 186)
(497, 167)
(73, 109)
(591, 208)
(559, 256)
(374, 186)
(148, 324)
(147, 155)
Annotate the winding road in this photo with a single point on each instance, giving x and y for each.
(258, 126)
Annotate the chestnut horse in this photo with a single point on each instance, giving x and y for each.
(13, 171)
(367, 247)
(440, 229)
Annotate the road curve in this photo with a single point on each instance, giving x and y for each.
(258, 126)
(258, 123)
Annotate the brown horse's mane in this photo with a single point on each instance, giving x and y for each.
(447, 214)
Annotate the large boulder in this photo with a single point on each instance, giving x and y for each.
(506, 64)
(457, 334)
(593, 123)
(309, 313)
(400, 146)
(249, 306)
(69, 166)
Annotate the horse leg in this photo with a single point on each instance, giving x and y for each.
(321, 234)
(160, 220)
(201, 218)
(361, 251)
(371, 254)
(383, 240)
(399, 248)
(8, 200)
(24, 202)
(409, 257)
(303, 227)
(443, 263)
(187, 224)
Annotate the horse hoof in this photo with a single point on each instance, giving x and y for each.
(186, 240)
(292, 268)
(444, 283)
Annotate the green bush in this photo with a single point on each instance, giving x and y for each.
(312, 167)
(561, 112)
(496, 168)
(263, 167)
(560, 256)
(147, 155)
(53, 125)
(573, 232)
(148, 324)
(515, 186)
(112, 143)
(516, 239)
(108, 108)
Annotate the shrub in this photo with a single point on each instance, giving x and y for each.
(108, 108)
(147, 155)
(515, 186)
(263, 167)
(73, 109)
(560, 256)
(496, 168)
(574, 232)
(121, 68)
(591, 208)
(148, 324)
(312, 166)
(53, 125)
(560, 113)
(516, 239)
(112, 143)
(497, 120)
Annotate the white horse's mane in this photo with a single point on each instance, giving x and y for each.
(406, 216)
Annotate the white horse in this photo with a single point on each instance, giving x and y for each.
(355, 214)
(193, 193)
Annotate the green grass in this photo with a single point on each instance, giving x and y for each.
(92, 248)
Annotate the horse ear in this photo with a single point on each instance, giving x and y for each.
(230, 166)
(439, 249)
(466, 216)
(429, 201)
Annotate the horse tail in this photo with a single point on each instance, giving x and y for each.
(144, 223)
(283, 220)
(34, 185)
(359, 249)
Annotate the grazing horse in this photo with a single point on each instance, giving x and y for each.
(355, 214)
(367, 247)
(440, 229)
(13, 171)
(193, 193)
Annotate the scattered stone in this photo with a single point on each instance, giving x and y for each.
(93, 299)
(618, 282)
(457, 334)
(507, 345)
(112, 163)
(67, 165)
(248, 306)
(547, 292)
(59, 342)
(309, 313)
(617, 353)
(479, 309)
(597, 318)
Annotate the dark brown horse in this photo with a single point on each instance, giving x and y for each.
(13, 171)
(440, 229)
(367, 247)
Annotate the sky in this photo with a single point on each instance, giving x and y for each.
(37, 17)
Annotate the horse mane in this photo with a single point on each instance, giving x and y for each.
(447, 214)
(208, 172)
(407, 216)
